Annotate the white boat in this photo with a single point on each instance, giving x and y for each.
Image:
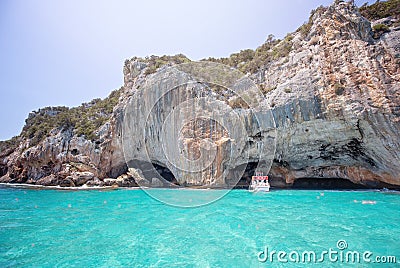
(259, 183)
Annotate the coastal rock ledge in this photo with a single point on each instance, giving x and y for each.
(333, 96)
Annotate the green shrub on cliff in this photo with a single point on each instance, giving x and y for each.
(380, 29)
(380, 10)
(6, 147)
(273, 49)
(84, 120)
(236, 60)
(249, 60)
(155, 62)
(306, 27)
(283, 48)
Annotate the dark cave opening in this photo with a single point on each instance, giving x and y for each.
(149, 170)
(3, 170)
(165, 173)
(307, 183)
(248, 170)
(245, 180)
(327, 184)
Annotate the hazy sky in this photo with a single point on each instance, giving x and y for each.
(68, 52)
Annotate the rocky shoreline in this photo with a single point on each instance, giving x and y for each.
(116, 187)
(42, 187)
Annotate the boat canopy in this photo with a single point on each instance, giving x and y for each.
(260, 178)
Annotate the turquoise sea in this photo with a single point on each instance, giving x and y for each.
(127, 228)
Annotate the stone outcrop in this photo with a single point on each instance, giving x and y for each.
(334, 112)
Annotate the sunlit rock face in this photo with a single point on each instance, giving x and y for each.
(337, 101)
(333, 111)
(187, 125)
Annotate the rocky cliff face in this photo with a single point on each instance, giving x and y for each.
(331, 110)
(337, 101)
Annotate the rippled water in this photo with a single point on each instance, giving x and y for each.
(50, 228)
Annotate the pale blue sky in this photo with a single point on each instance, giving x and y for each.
(68, 52)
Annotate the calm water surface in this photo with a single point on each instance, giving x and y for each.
(51, 228)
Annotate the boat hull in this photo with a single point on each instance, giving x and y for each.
(256, 189)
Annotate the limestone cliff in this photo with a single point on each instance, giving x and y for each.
(337, 101)
(330, 109)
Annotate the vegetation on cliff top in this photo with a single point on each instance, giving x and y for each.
(249, 61)
(84, 120)
(6, 147)
(380, 10)
(155, 62)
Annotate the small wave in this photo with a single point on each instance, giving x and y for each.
(368, 202)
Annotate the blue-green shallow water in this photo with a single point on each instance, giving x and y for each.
(49, 228)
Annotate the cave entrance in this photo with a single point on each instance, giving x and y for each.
(151, 170)
(165, 173)
(245, 180)
(3, 170)
(326, 184)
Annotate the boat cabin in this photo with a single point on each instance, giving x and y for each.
(259, 179)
